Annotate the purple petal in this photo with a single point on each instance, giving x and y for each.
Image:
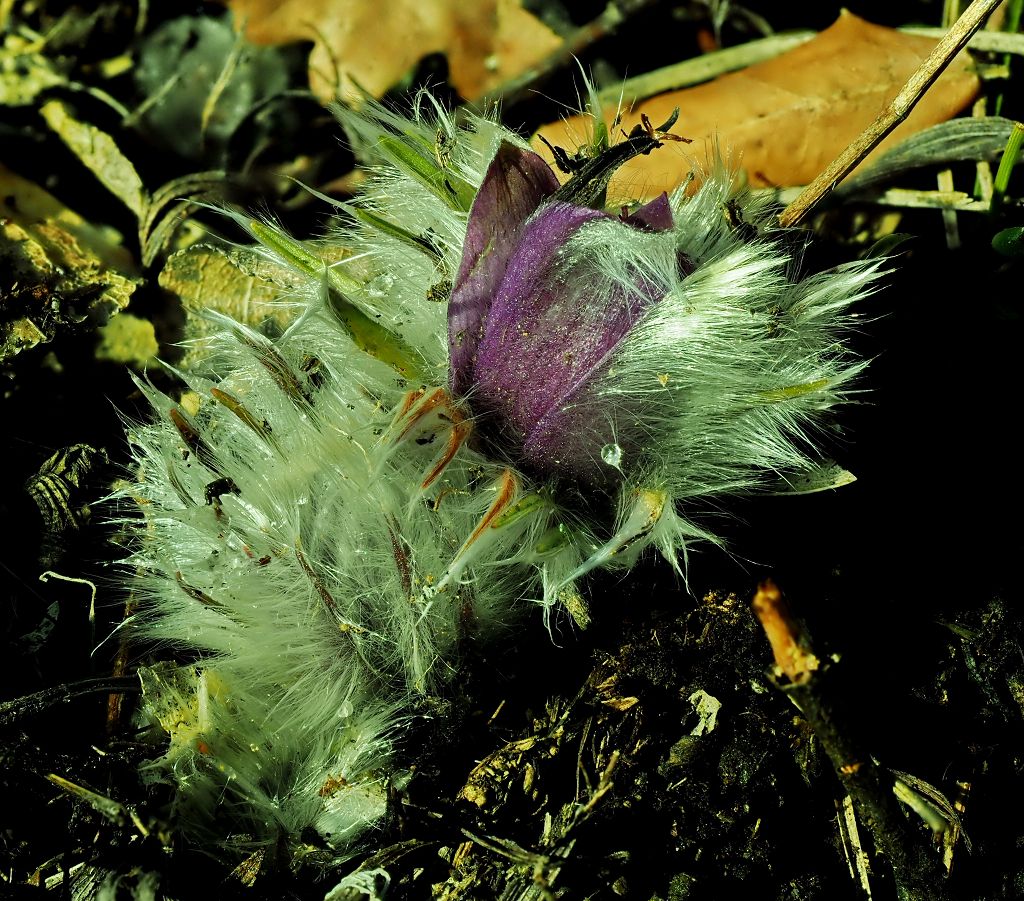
(516, 183)
(655, 216)
(542, 347)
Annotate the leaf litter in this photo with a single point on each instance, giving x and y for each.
(784, 119)
(624, 744)
(365, 46)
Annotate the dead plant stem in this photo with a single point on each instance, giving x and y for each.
(605, 24)
(809, 682)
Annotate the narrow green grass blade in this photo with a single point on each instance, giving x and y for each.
(392, 229)
(1010, 158)
(298, 255)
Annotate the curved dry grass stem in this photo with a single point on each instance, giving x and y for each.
(954, 41)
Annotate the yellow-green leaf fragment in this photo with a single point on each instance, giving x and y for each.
(205, 278)
(128, 339)
(777, 395)
(526, 505)
(24, 75)
(57, 271)
(826, 476)
(98, 152)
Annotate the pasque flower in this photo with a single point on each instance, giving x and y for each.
(658, 356)
(339, 506)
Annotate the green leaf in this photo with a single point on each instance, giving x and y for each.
(454, 191)
(374, 339)
(368, 335)
(1009, 242)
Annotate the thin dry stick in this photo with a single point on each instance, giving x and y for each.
(954, 41)
(607, 23)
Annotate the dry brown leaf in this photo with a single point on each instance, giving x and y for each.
(375, 44)
(783, 121)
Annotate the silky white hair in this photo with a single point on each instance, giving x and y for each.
(316, 537)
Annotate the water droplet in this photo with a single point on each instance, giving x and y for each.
(612, 455)
(380, 286)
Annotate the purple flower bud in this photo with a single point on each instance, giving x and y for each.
(526, 346)
(655, 215)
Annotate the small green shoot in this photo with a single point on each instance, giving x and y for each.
(1010, 158)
